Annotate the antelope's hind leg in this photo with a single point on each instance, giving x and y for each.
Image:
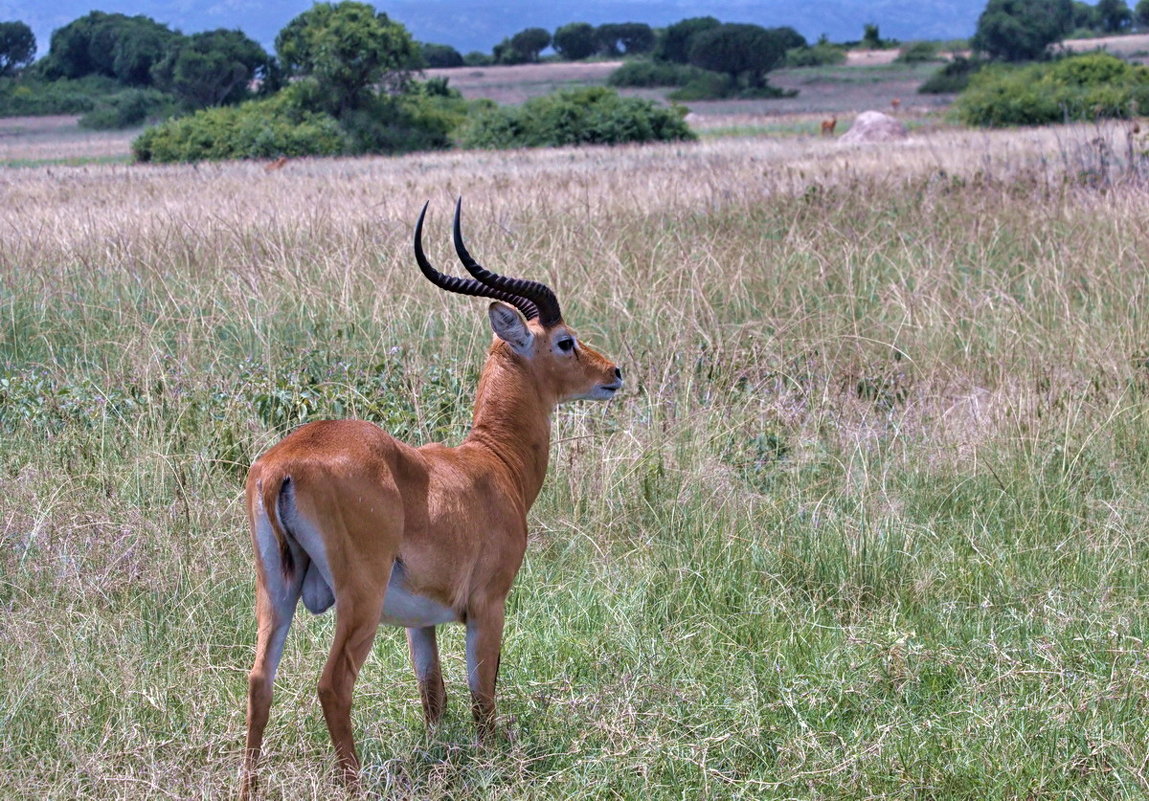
(357, 619)
(276, 597)
(425, 660)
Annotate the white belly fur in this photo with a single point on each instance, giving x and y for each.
(401, 607)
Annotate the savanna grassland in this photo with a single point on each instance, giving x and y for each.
(870, 517)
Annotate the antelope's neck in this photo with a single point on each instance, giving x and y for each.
(512, 420)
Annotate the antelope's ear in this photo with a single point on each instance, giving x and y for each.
(510, 327)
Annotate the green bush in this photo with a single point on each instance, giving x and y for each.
(257, 129)
(129, 108)
(287, 125)
(707, 85)
(477, 58)
(918, 53)
(32, 96)
(1078, 88)
(440, 55)
(594, 115)
(953, 77)
(822, 54)
(644, 73)
(421, 120)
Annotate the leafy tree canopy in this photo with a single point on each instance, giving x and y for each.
(441, 55)
(17, 47)
(1114, 15)
(676, 39)
(740, 51)
(115, 45)
(348, 48)
(1141, 13)
(790, 37)
(531, 42)
(1084, 16)
(871, 37)
(1020, 30)
(212, 68)
(630, 38)
(576, 41)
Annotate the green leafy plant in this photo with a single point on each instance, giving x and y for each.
(952, 77)
(1082, 87)
(821, 54)
(918, 53)
(646, 73)
(129, 108)
(594, 115)
(257, 129)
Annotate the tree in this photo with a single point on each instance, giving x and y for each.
(1141, 13)
(576, 41)
(115, 45)
(136, 45)
(630, 38)
(1020, 30)
(212, 68)
(871, 38)
(505, 53)
(1084, 17)
(677, 38)
(441, 56)
(744, 52)
(1115, 15)
(348, 49)
(17, 47)
(531, 42)
(790, 38)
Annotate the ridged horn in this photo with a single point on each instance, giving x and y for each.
(466, 286)
(536, 292)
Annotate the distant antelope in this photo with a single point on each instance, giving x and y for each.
(343, 515)
(895, 104)
(276, 165)
(828, 126)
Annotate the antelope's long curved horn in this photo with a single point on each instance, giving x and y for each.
(466, 286)
(535, 291)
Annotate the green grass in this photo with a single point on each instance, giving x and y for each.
(855, 74)
(69, 161)
(870, 519)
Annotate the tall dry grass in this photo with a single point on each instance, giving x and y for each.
(869, 519)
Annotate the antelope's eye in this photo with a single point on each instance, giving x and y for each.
(566, 344)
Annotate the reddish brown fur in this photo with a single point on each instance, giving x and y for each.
(828, 126)
(454, 517)
(276, 165)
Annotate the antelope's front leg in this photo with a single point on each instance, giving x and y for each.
(484, 643)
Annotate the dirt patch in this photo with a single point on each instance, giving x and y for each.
(1118, 45)
(868, 58)
(18, 126)
(59, 138)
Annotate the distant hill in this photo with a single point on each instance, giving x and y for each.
(481, 24)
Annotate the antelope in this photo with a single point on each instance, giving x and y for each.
(342, 514)
(896, 104)
(278, 164)
(828, 126)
